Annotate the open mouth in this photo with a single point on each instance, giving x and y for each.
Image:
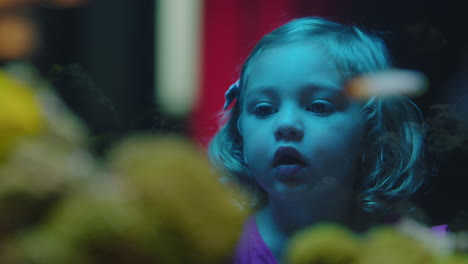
(288, 156)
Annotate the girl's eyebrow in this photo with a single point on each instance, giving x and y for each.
(311, 87)
(325, 87)
(260, 90)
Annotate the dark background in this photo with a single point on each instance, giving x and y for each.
(431, 36)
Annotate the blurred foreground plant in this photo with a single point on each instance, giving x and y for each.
(160, 204)
(333, 244)
(176, 184)
(20, 113)
(154, 200)
(42, 154)
(325, 244)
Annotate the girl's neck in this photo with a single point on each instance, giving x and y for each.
(288, 217)
(281, 219)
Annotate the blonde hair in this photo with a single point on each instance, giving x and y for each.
(392, 168)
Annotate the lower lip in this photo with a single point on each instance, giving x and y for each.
(288, 169)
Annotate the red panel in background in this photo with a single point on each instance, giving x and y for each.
(221, 32)
(230, 30)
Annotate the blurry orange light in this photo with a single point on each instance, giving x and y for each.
(395, 82)
(18, 37)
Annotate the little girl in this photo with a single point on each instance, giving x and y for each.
(307, 150)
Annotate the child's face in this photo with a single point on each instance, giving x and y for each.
(298, 127)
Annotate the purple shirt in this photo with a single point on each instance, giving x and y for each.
(251, 248)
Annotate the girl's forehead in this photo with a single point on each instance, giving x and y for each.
(296, 64)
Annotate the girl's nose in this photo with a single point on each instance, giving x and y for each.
(289, 130)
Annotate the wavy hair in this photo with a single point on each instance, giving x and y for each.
(392, 168)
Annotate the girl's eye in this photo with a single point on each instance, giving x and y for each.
(321, 107)
(263, 110)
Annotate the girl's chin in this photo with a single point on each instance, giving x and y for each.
(290, 188)
(293, 188)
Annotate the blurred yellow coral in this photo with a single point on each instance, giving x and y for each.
(20, 112)
(35, 175)
(42, 152)
(324, 244)
(62, 125)
(58, 122)
(334, 244)
(158, 202)
(387, 245)
(176, 182)
(97, 224)
(454, 259)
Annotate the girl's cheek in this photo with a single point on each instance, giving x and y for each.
(344, 133)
